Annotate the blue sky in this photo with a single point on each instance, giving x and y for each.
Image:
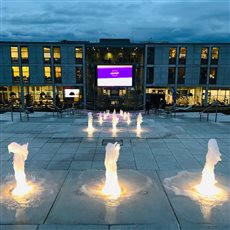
(146, 20)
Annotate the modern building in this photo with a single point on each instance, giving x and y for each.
(199, 73)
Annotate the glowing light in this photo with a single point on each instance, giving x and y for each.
(90, 128)
(115, 120)
(100, 119)
(112, 187)
(139, 121)
(207, 186)
(128, 118)
(20, 155)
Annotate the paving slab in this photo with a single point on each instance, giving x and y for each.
(151, 207)
(33, 208)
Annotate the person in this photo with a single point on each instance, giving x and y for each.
(58, 101)
(147, 107)
(29, 107)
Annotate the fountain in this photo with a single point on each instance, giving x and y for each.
(104, 116)
(128, 118)
(139, 121)
(100, 119)
(207, 186)
(115, 120)
(121, 113)
(125, 116)
(204, 190)
(90, 122)
(20, 155)
(112, 187)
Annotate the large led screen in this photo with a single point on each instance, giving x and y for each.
(114, 75)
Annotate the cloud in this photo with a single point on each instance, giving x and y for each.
(191, 20)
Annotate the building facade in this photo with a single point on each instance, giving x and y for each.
(199, 73)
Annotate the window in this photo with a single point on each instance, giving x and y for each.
(182, 56)
(14, 54)
(57, 74)
(150, 55)
(150, 75)
(181, 75)
(204, 56)
(171, 75)
(172, 56)
(79, 78)
(78, 55)
(15, 73)
(47, 55)
(47, 74)
(203, 75)
(25, 73)
(213, 76)
(24, 55)
(215, 56)
(57, 55)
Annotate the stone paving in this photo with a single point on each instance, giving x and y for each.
(60, 150)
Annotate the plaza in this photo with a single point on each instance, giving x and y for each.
(63, 156)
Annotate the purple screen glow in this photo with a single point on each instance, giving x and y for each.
(114, 75)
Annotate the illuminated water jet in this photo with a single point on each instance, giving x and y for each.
(207, 186)
(112, 187)
(104, 116)
(125, 116)
(100, 119)
(115, 120)
(128, 118)
(139, 121)
(90, 122)
(20, 155)
(121, 113)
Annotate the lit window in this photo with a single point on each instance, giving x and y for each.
(182, 55)
(47, 55)
(15, 73)
(57, 55)
(78, 55)
(24, 54)
(213, 76)
(47, 73)
(172, 56)
(14, 54)
(215, 55)
(25, 73)
(57, 74)
(204, 56)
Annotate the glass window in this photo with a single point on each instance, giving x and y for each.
(79, 77)
(215, 56)
(150, 55)
(172, 55)
(171, 75)
(15, 73)
(78, 55)
(24, 55)
(204, 56)
(47, 73)
(213, 76)
(57, 55)
(47, 55)
(25, 73)
(57, 74)
(182, 56)
(203, 75)
(181, 75)
(14, 54)
(150, 75)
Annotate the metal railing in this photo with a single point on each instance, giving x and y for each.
(214, 106)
